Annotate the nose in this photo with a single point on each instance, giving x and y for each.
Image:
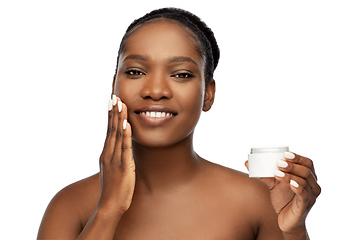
(156, 87)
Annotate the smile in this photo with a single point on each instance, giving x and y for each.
(156, 114)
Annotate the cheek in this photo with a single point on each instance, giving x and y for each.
(126, 91)
(191, 99)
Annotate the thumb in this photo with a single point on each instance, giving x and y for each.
(247, 164)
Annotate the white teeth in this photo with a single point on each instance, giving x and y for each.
(156, 114)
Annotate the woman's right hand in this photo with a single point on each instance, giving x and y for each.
(117, 166)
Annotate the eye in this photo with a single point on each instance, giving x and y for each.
(183, 75)
(134, 72)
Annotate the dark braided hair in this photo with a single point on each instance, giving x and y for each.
(208, 47)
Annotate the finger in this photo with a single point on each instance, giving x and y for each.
(312, 193)
(298, 159)
(110, 107)
(247, 164)
(301, 198)
(303, 172)
(127, 153)
(112, 130)
(119, 134)
(300, 188)
(287, 177)
(302, 167)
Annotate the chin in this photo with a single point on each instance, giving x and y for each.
(160, 140)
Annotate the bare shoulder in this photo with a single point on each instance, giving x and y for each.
(245, 200)
(234, 180)
(70, 208)
(79, 193)
(243, 195)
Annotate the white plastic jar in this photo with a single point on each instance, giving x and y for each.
(263, 160)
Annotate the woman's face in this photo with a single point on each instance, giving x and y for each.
(161, 80)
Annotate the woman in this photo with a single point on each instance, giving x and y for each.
(152, 184)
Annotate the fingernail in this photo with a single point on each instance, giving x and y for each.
(124, 124)
(294, 184)
(289, 155)
(110, 106)
(119, 105)
(279, 173)
(281, 163)
(114, 100)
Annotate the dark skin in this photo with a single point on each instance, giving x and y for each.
(152, 184)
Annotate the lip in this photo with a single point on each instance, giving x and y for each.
(156, 108)
(154, 121)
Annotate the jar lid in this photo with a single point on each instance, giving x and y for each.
(269, 149)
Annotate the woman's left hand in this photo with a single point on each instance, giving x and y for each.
(293, 191)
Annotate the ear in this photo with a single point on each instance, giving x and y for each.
(209, 95)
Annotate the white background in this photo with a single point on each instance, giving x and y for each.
(288, 74)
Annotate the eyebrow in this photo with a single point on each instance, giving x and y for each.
(180, 59)
(144, 58)
(136, 57)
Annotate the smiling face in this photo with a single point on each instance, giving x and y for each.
(161, 80)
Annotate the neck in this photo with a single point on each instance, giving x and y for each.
(163, 168)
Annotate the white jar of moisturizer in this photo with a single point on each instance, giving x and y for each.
(263, 160)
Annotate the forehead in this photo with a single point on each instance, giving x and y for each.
(162, 39)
